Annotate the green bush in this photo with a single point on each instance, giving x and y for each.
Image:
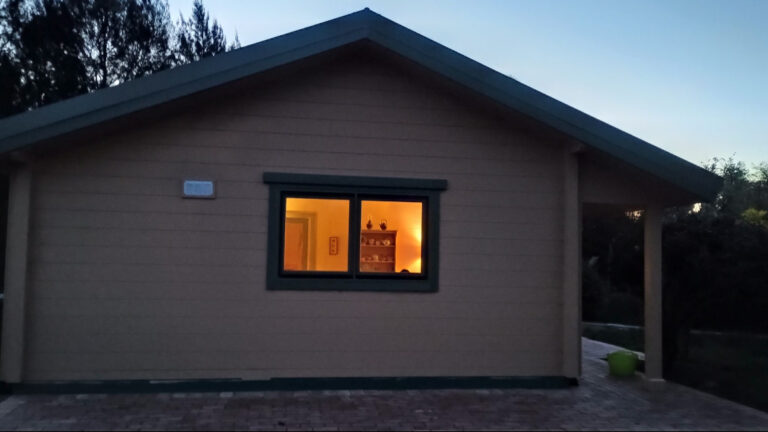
(630, 338)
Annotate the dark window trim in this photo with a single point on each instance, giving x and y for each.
(354, 181)
(427, 190)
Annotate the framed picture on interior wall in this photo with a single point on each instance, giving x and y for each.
(333, 245)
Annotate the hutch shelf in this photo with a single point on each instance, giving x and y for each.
(377, 251)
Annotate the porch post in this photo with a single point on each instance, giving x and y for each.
(652, 282)
(571, 282)
(14, 303)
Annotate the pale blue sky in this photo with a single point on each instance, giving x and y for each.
(688, 76)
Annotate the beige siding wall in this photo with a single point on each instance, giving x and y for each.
(129, 281)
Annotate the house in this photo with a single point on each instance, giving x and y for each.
(351, 200)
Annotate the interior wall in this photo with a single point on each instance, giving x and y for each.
(332, 219)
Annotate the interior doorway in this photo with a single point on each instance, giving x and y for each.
(296, 244)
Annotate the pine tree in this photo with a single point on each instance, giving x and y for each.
(10, 69)
(125, 39)
(45, 48)
(197, 38)
(56, 49)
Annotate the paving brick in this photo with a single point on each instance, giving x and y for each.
(599, 403)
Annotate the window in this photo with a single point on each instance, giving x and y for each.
(352, 233)
(391, 236)
(306, 222)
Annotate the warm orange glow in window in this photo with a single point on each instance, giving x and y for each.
(391, 243)
(316, 234)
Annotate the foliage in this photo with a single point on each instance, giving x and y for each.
(52, 50)
(742, 189)
(125, 39)
(612, 274)
(714, 277)
(756, 217)
(594, 290)
(40, 53)
(198, 38)
(627, 337)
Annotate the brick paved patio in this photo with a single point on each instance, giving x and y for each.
(598, 403)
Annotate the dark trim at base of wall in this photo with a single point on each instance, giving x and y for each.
(277, 384)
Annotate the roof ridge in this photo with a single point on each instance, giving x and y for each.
(62, 117)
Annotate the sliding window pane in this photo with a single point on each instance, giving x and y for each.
(390, 236)
(316, 235)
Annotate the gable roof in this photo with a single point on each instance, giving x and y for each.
(22, 130)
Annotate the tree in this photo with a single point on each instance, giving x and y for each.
(56, 49)
(613, 268)
(756, 217)
(148, 43)
(197, 38)
(734, 198)
(714, 277)
(10, 71)
(45, 47)
(759, 199)
(125, 39)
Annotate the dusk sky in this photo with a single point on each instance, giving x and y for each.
(688, 76)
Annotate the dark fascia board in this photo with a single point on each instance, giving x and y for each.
(370, 182)
(56, 119)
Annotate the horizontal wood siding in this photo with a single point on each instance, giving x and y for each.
(130, 281)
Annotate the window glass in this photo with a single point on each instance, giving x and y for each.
(390, 236)
(316, 235)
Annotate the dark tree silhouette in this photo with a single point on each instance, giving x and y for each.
(55, 49)
(125, 39)
(199, 38)
(41, 49)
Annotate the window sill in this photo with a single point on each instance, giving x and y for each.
(417, 284)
